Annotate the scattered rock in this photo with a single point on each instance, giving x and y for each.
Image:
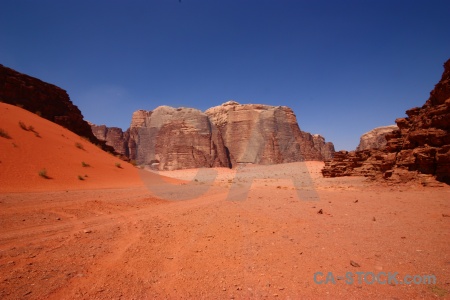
(354, 264)
(320, 211)
(87, 231)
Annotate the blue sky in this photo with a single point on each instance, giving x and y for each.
(344, 67)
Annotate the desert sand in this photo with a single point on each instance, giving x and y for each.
(255, 232)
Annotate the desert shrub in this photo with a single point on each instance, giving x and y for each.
(79, 146)
(36, 134)
(83, 164)
(4, 134)
(80, 177)
(23, 126)
(118, 165)
(43, 174)
(133, 162)
(31, 128)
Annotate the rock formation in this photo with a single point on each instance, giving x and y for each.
(177, 138)
(421, 145)
(262, 134)
(225, 136)
(326, 149)
(114, 137)
(376, 138)
(44, 99)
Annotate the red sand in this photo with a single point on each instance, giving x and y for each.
(109, 237)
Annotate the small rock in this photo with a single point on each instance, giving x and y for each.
(374, 219)
(356, 201)
(320, 212)
(87, 231)
(446, 216)
(354, 264)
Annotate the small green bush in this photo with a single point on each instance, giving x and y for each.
(118, 165)
(4, 134)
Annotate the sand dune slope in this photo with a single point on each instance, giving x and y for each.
(70, 161)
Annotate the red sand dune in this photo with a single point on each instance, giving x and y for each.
(24, 155)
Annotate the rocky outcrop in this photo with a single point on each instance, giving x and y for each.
(44, 99)
(326, 149)
(114, 137)
(262, 134)
(177, 138)
(224, 136)
(421, 145)
(376, 138)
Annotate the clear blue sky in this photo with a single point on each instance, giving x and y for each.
(344, 67)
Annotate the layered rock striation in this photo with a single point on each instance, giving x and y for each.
(262, 134)
(170, 138)
(420, 145)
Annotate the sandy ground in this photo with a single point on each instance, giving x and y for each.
(256, 232)
(247, 234)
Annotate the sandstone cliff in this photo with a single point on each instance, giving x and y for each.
(262, 134)
(421, 145)
(227, 135)
(376, 138)
(326, 149)
(177, 138)
(114, 137)
(44, 99)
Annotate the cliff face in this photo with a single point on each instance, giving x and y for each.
(224, 136)
(44, 99)
(421, 145)
(262, 134)
(113, 136)
(170, 139)
(326, 149)
(376, 138)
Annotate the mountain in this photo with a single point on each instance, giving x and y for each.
(227, 135)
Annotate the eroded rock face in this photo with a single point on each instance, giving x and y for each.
(224, 136)
(262, 134)
(114, 137)
(376, 138)
(178, 138)
(44, 99)
(326, 149)
(420, 145)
